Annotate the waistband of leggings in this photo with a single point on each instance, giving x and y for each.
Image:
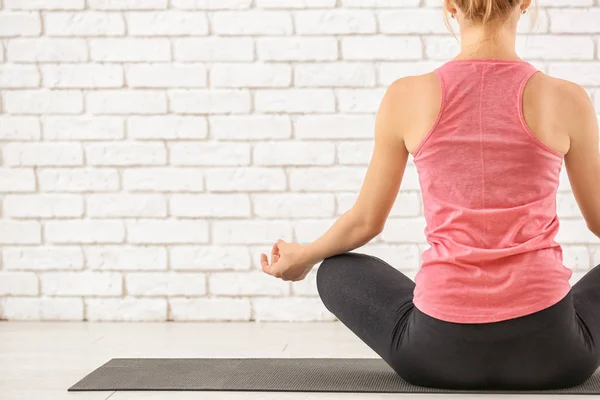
(556, 315)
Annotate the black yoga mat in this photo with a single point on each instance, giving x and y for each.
(268, 375)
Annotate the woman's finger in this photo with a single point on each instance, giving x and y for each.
(264, 261)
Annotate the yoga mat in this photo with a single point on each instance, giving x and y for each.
(366, 375)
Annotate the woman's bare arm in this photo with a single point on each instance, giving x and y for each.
(583, 159)
(366, 219)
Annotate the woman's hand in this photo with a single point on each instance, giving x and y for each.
(288, 261)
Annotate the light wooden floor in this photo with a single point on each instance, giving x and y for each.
(39, 361)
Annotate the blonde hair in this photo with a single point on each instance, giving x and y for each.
(486, 11)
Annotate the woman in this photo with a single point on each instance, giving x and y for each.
(491, 307)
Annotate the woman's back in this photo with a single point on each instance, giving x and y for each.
(489, 190)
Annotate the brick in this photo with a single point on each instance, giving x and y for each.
(567, 3)
(211, 4)
(210, 101)
(18, 284)
(128, 4)
(575, 231)
(86, 76)
(210, 205)
(306, 230)
(19, 76)
(359, 100)
(594, 255)
(290, 309)
(555, 47)
(402, 257)
(250, 75)
(381, 48)
(84, 231)
(81, 284)
(250, 232)
(165, 76)
(44, 4)
(247, 284)
(246, 179)
(210, 309)
(167, 231)
(130, 50)
(167, 127)
(405, 230)
(43, 206)
(78, 180)
(441, 48)
(13, 24)
(355, 153)
(577, 257)
(165, 284)
(389, 72)
(126, 205)
(168, 23)
(209, 153)
(293, 205)
(89, 23)
(42, 258)
(19, 128)
(17, 180)
(335, 22)
(334, 75)
(410, 180)
(126, 258)
(43, 154)
(334, 126)
(567, 206)
(422, 21)
(255, 22)
(164, 179)
(294, 153)
(296, 3)
(42, 309)
(295, 101)
(381, 3)
(532, 22)
(575, 20)
(83, 128)
(126, 154)
(126, 102)
(209, 258)
(255, 127)
(307, 286)
(43, 102)
(326, 179)
(126, 310)
(47, 50)
(586, 74)
(297, 49)
(214, 48)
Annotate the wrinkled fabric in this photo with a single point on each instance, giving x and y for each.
(489, 191)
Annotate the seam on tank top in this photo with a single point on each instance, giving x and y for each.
(438, 118)
(482, 156)
(521, 114)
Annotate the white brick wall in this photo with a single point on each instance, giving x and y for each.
(150, 150)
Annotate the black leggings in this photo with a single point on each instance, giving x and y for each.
(554, 348)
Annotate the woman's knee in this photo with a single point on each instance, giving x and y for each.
(330, 274)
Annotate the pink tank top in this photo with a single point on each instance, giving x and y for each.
(489, 191)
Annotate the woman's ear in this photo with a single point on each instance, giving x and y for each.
(450, 7)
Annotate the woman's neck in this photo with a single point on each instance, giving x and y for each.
(488, 42)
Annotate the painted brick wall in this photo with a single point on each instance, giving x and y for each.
(151, 149)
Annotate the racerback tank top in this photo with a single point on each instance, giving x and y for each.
(489, 191)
